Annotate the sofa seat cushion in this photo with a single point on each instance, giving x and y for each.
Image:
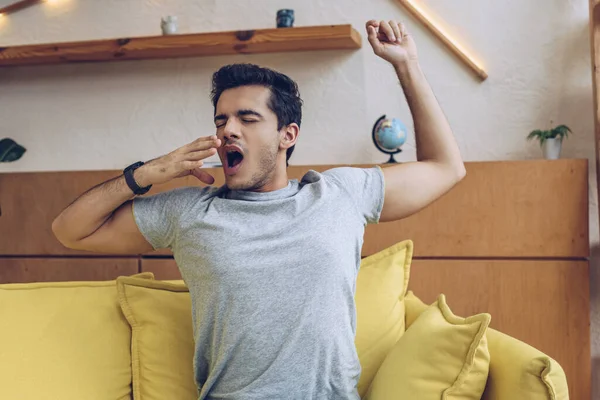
(63, 341)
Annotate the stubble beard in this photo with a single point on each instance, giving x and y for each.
(265, 172)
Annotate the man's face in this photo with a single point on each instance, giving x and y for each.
(249, 136)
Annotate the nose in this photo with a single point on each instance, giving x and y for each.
(231, 131)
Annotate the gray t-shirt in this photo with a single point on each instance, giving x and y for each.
(272, 280)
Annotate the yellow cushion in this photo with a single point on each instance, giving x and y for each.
(414, 307)
(380, 288)
(517, 370)
(162, 343)
(441, 356)
(63, 341)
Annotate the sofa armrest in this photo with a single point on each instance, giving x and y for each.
(518, 372)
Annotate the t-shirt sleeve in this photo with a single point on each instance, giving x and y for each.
(365, 187)
(158, 216)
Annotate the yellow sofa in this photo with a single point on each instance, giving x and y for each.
(132, 339)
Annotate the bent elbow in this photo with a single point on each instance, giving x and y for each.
(59, 233)
(456, 174)
(461, 172)
(56, 229)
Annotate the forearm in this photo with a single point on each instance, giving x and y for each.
(91, 210)
(434, 138)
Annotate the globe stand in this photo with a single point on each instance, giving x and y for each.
(392, 160)
(391, 153)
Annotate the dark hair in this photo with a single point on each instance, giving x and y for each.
(285, 99)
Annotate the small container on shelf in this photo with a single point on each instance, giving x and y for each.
(168, 25)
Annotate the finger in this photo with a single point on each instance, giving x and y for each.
(396, 29)
(372, 23)
(386, 29)
(403, 31)
(372, 37)
(204, 139)
(200, 154)
(203, 176)
(210, 143)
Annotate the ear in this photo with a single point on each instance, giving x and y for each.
(288, 136)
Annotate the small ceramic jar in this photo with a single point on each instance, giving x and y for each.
(168, 25)
(285, 18)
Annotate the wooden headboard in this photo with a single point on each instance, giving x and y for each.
(511, 240)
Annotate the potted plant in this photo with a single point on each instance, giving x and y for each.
(551, 140)
(10, 150)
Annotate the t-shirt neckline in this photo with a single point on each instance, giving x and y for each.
(288, 191)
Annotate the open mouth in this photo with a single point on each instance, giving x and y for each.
(233, 161)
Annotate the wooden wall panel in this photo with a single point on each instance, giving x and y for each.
(543, 303)
(519, 209)
(24, 270)
(162, 268)
(494, 212)
(29, 202)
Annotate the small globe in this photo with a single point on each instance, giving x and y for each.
(389, 135)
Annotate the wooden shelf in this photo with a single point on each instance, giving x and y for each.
(329, 37)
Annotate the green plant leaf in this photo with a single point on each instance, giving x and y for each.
(535, 134)
(10, 150)
(540, 135)
(562, 131)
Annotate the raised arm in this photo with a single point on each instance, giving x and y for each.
(409, 187)
(101, 220)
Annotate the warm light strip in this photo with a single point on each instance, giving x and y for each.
(19, 5)
(418, 13)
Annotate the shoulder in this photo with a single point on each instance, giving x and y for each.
(336, 173)
(195, 192)
(345, 179)
(179, 197)
(350, 176)
(342, 174)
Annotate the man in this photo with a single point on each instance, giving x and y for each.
(270, 263)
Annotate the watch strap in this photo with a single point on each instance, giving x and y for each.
(130, 180)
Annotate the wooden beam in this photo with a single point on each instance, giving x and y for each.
(452, 45)
(328, 37)
(595, 58)
(19, 5)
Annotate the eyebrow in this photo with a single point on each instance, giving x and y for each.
(240, 113)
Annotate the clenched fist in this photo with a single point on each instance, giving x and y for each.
(391, 41)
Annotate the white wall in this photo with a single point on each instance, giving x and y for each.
(105, 116)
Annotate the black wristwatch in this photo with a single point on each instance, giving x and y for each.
(128, 173)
